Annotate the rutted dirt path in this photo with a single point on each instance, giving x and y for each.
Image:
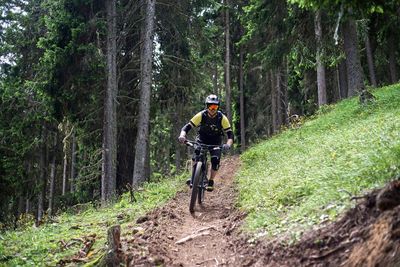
(366, 235)
(172, 236)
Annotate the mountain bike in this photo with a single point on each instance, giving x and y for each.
(198, 180)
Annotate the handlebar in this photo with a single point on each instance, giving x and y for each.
(193, 143)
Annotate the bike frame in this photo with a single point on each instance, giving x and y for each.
(199, 176)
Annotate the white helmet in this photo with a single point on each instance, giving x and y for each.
(212, 100)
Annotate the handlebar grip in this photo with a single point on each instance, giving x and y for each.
(188, 143)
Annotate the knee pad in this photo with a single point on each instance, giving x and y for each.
(215, 163)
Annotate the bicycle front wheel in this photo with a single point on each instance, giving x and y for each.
(195, 188)
(202, 185)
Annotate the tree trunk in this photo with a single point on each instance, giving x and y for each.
(278, 92)
(177, 156)
(336, 89)
(242, 125)
(109, 153)
(20, 206)
(27, 192)
(215, 76)
(342, 79)
(27, 206)
(370, 61)
(177, 130)
(227, 63)
(167, 167)
(52, 175)
(73, 163)
(353, 63)
(147, 169)
(64, 185)
(392, 58)
(141, 152)
(285, 102)
(42, 175)
(320, 66)
(274, 114)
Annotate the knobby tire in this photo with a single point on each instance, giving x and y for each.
(201, 187)
(200, 194)
(195, 187)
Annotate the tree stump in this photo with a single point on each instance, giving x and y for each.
(112, 256)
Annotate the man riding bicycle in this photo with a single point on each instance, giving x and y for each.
(212, 125)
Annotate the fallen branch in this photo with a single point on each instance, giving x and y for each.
(351, 196)
(79, 239)
(197, 234)
(65, 245)
(192, 236)
(88, 242)
(207, 228)
(202, 262)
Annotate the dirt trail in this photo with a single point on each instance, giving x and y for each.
(172, 236)
(367, 235)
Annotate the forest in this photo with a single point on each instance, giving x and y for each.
(93, 94)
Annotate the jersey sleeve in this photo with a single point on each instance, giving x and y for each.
(196, 119)
(225, 124)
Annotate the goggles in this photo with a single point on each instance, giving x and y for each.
(213, 107)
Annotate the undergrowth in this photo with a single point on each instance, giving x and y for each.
(295, 180)
(58, 238)
(304, 176)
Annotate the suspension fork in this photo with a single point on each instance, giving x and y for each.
(197, 160)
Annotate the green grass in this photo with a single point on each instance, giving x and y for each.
(293, 180)
(41, 246)
(287, 183)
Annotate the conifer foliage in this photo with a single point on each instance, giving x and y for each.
(94, 93)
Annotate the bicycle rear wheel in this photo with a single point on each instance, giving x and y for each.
(196, 185)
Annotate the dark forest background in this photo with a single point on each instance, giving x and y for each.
(93, 94)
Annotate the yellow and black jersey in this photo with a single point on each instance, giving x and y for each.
(211, 130)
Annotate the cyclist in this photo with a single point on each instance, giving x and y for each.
(212, 125)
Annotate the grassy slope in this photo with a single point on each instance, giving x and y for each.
(41, 246)
(294, 179)
(287, 181)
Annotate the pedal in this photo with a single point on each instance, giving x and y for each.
(210, 186)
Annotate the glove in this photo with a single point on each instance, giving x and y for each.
(181, 139)
(226, 147)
